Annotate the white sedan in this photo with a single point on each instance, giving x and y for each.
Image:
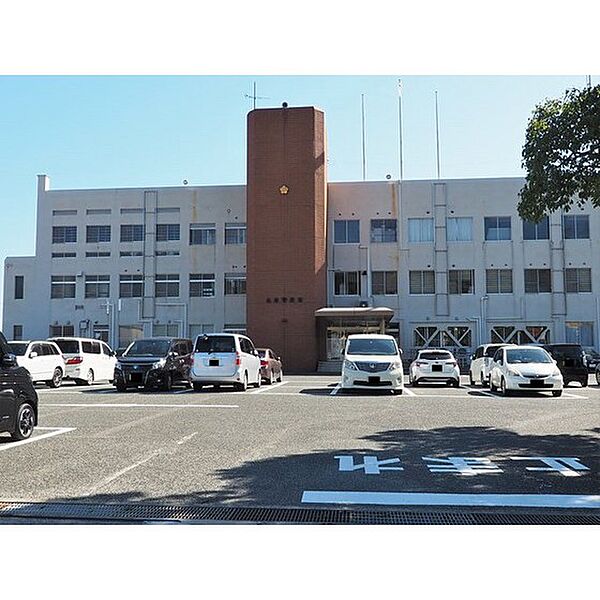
(434, 365)
(525, 368)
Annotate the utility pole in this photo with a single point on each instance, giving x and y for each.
(364, 155)
(400, 148)
(437, 135)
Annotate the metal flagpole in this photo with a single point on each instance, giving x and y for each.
(437, 134)
(364, 156)
(400, 148)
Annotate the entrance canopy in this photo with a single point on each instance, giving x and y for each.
(366, 315)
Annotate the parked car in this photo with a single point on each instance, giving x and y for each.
(154, 362)
(525, 368)
(570, 361)
(598, 374)
(271, 369)
(18, 398)
(86, 360)
(225, 359)
(42, 359)
(372, 361)
(434, 365)
(481, 363)
(592, 360)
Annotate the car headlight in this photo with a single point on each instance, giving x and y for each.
(395, 365)
(556, 373)
(118, 367)
(512, 371)
(159, 364)
(348, 364)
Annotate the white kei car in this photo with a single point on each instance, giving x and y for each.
(525, 368)
(42, 359)
(372, 361)
(434, 364)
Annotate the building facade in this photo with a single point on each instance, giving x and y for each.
(300, 263)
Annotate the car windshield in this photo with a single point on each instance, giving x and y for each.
(527, 355)
(435, 356)
(215, 343)
(18, 348)
(491, 350)
(67, 346)
(262, 353)
(148, 348)
(372, 347)
(566, 351)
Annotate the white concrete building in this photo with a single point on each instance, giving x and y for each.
(451, 259)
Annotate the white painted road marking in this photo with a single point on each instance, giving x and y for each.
(370, 464)
(463, 465)
(52, 432)
(408, 392)
(566, 466)
(124, 405)
(262, 390)
(426, 499)
(336, 389)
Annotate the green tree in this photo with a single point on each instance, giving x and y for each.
(561, 154)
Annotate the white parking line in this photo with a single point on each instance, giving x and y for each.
(139, 405)
(52, 432)
(336, 389)
(424, 499)
(261, 389)
(409, 392)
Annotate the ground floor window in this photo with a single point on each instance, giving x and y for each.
(453, 336)
(129, 333)
(509, 334)
(17, 332)
(200, 329)
(165, 329)
(235, 328)
(62, 330)
(580, 333)
(101, 332)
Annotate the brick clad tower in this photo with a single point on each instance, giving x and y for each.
(287, 220)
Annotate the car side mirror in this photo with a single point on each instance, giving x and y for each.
(8, 361)
(33, 354)
(255, 352)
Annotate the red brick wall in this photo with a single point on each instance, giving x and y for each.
(286, 247)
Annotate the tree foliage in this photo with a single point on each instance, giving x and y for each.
(561, 154)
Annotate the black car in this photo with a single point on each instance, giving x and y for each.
(592, 359)
(18, 398)
(570, 362)
(158, 362)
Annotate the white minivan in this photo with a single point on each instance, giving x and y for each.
(87, 360)
(225, 359)
(42, 359)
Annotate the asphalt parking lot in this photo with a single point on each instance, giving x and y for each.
(303, 442)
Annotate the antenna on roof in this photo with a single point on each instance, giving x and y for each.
(254, 97)
(437, 135)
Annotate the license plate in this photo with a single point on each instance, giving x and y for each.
(213, 362)
(374, 380)
(537, 382)
(436, 367)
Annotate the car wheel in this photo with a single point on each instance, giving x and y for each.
(242, 387)
(415, 383)
(584, 383)
(121, 386)
(167, 383)
(598, 376)
(89, 380)
(557, 393)
(271, 379)
(484, 382)
(25, 422)
(503, 389)
(280, 376)
(197, 386)
(493, 387)
(456, 383)
(56, 378)
(471, 380)
(258, 381)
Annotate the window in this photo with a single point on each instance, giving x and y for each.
(166, 285)
(62, 286)
(98, 211)
(19, 285)
(498, 281)
(132, 233)
(235, 283)
(129, 333)
(421, 282)
(346, 232)
(62, 331)
(383, 230)
(235, 328)
(537, 281)
(97, 286)
(167, 232)
(168, 209)
(508, 334)
(459, 229)
(90, 347)
(578, 280)
(202, 234)
(235, 233)
(17, 332)
(97, 254)
(426, 336)
(347, 283)
(497, 228)
(576, 227)
(131, 286)
(64, 234)
(66, 212)
(536, 231)
(64, 254)
(420, 230)
(127, 253)
(132, 211)
(100, 332)
(202, 285)
(461, 281)
(97, 233)
(384, 283)
(199, 329)
(167, 253)
(165, 329)
(579, 333)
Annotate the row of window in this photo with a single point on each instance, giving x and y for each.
(459, 229)
(462, 281)
(166, 285)
(199, 233)
(72, 212)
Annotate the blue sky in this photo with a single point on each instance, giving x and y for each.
(158, 130)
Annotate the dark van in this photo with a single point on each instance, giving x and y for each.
(18, 398)
(159, 362)
(570, 362)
